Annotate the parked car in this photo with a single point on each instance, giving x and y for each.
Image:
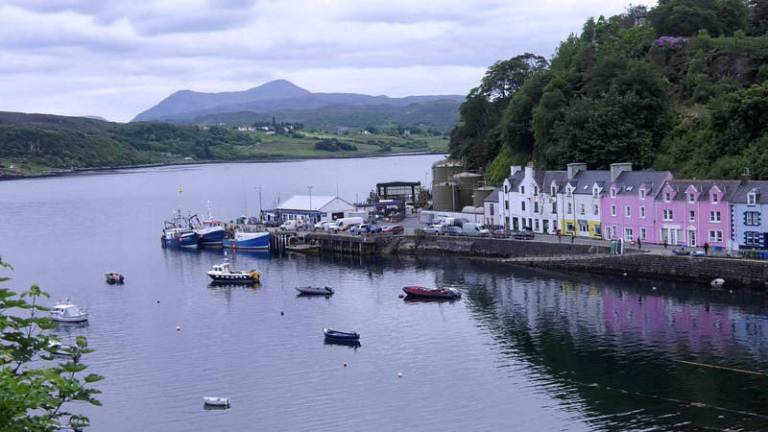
(365, 229)
(290, 225)
(450, 230)
(344, 224)
(322, 226)
(523, 235)
(500, 233)
(432, 229)
(393, 229)
(474, 230)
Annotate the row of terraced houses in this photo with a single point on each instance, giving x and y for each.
(650, 206)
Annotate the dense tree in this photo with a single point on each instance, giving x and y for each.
(758, 17)
(688, 17)
(35, 387)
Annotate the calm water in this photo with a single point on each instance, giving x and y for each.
(522, 350)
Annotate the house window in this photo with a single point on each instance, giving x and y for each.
(667, 215)
(568, 191)
(627, 211)
(491, 209)
(613, 231)
(554, 207)
(667, 196)
(570, 208)
(535, 191)
(752, 218)
(536, 207)
(642, 194)
(522, 190)
(751, 198)
(506, 205)
(536, 221)
(628, 236)
(642, 212)
(642, 234)
(583, 227)
(613, 210)
(715, 198)
(595, 192)
(506, 190)
(691, 216)
(715, 236)
(581, 210)
(596, 210)
(691, 198)
(522, 205)
(752, 238)
(714, 217)
(554, 190)
(613, 193)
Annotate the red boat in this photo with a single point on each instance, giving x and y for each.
(434, 293)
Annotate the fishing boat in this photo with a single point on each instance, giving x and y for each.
(431, 293)
(210, 231)
(340, 336)
(216, 401)
(248, 240)
(114, 278)
(68, 313)
(222, 273)
(178, 232)
(310, 290)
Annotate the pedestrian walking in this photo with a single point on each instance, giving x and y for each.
(665, 243)
(706, 248)
(573, 238)
(639, 244)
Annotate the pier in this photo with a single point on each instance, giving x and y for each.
(320, 242)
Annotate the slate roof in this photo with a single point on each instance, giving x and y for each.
(545, 178)
(629, 182)
(727, 187)
(494, 196)
(740, 194)
(587, 179)
(514, 181)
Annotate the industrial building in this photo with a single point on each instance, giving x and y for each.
(311, 208)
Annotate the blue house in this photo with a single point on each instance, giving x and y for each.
(749, 215)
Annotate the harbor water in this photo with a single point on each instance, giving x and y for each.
(521, 350)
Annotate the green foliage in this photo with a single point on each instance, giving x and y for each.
(618, 92)
(36, 388)
(334, 145)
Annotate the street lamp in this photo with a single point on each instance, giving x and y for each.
(310, 202)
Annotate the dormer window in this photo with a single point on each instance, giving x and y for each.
(595, 191)
(752, 198)
(554, 190)
(568, 191)
(522, 190)
(667, 196)
(613, 193)
(715, 198)
(691, 198)
(535, 191)
(642, 194)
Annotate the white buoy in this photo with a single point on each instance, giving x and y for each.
(178, 328)
(399, 374)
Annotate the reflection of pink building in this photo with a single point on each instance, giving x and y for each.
(628, 210)
(694, 212)
(659, 321)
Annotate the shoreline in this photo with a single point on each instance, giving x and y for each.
(98, 170)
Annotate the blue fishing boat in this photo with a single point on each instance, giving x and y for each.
(248, 240)
(178, 233)
(210, 231)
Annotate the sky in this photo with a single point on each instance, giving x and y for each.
(116, 58)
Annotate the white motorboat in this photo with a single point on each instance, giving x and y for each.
(222, 273)
(216, 401)
(59, 349)
(717, 283)
(68, 313)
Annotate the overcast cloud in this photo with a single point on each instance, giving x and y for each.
(115, 58)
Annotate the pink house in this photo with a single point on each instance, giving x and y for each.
(628, 210)
(695, 212)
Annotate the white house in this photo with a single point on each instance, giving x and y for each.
(312, 208)
(530, 199)
(492, 208)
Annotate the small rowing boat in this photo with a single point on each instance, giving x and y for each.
(216, 401)
(335, 335)
(432, 293)
(115, 278)
(317, 291)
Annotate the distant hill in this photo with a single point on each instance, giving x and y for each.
(289, 103)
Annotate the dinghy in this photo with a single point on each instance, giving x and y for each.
(216, 401)
(115, 278)
(335, 335)
(432, 293)
(310, 290)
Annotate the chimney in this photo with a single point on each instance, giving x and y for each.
(514, 169)
(745, 176)
(529, 169)
(574, 168)
(618, 168)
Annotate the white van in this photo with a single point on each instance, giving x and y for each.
(473, 229)
(290, 225)
(344, 224)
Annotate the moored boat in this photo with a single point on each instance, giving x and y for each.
(431, 293)
(216, 401)
(310, 290)
(68, 313)
(114, 278)
(248, 240)
(210, 235)
(222, 273)
(59, 349)
(336, 335)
